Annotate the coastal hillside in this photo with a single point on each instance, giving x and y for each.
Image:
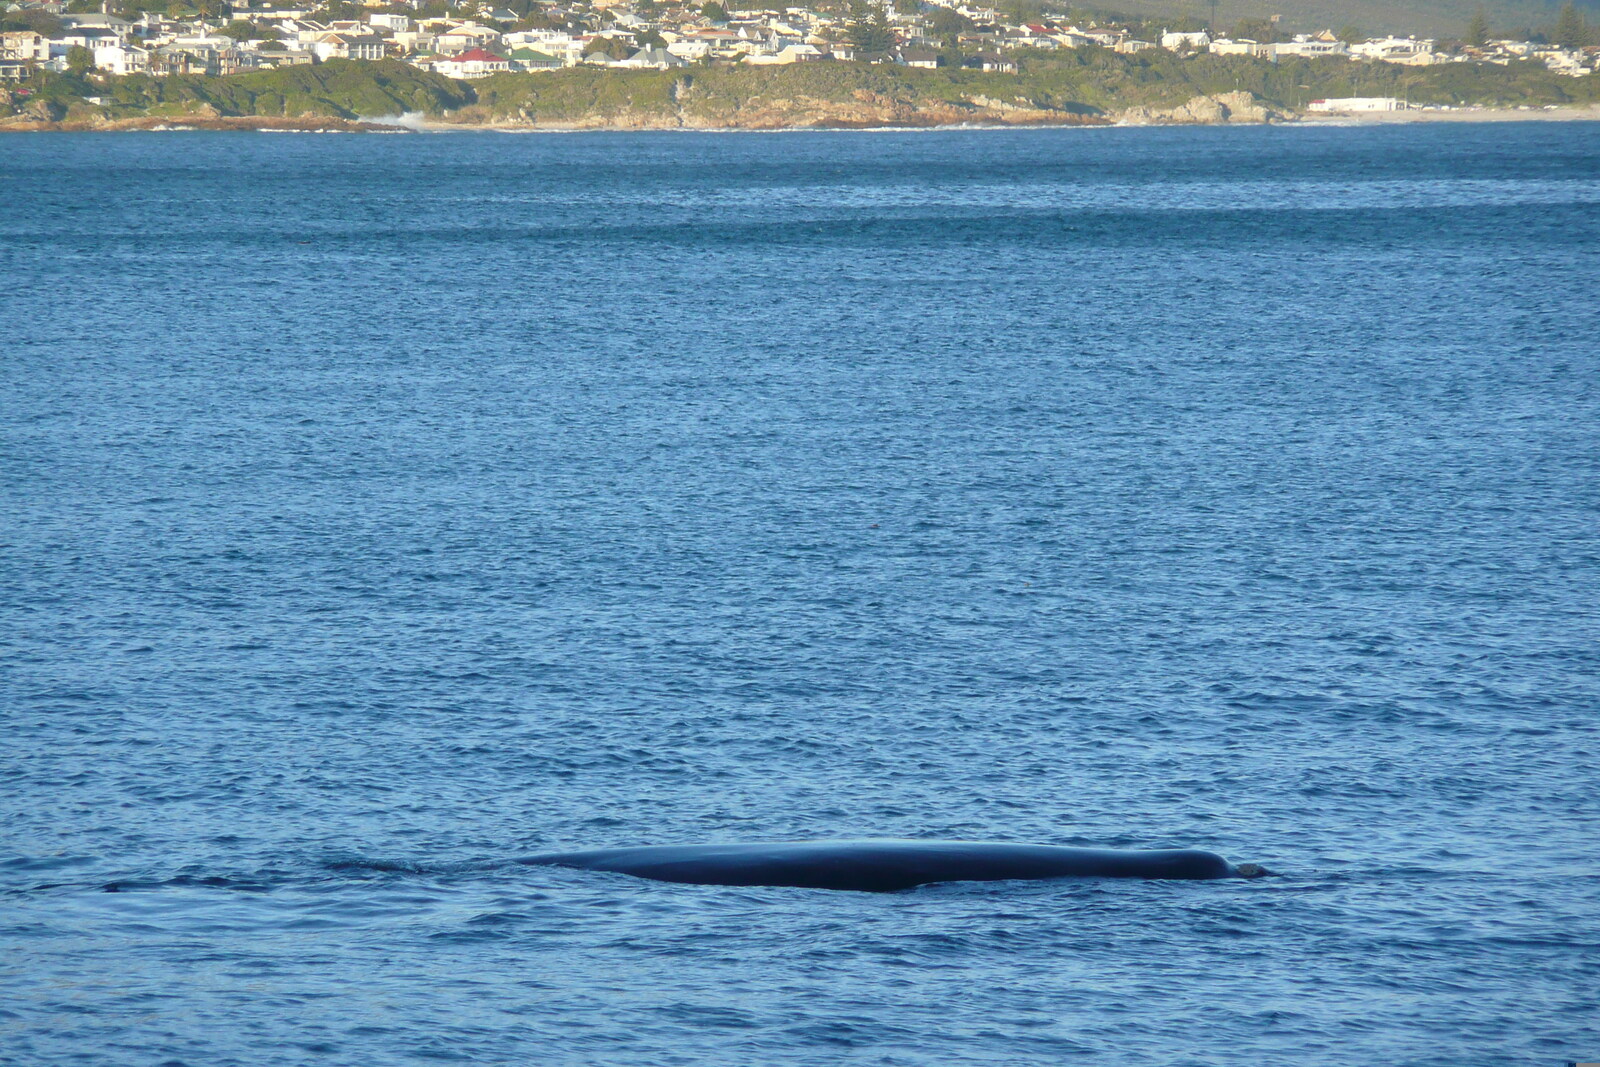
(1060, 87)
(341, 89)
(1086, 83)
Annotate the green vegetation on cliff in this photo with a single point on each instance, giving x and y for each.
(1108, 81)
(1079, 82)
(736, 95)
(1090, 80)
(336, 89)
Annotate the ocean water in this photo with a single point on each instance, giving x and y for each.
(375, 510)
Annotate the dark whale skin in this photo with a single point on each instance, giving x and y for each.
(885, 866)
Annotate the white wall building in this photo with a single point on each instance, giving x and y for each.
(794, 53)
(1354, 104)
(1393, 49)
(1241, 47)
(1310, 47)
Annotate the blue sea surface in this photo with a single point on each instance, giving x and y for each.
(377, 510)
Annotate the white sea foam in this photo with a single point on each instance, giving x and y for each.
(414, 121)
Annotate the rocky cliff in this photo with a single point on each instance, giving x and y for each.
(1215, 110)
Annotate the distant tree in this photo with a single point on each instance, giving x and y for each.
(907, 7)
(1260, 30)
(650, 39)
(241, 30)
(1352, 35)
(946, 22)
(868, 27)
(36, 20)
(610, 47)
(1478, 30)
(714, 12)
(1571, 29)
(80, 60)
(338, 11)
(1021, 12)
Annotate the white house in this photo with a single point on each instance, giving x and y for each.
(90, 37)
(1406, 50)
(1099, 35)
(1323, 44)
(1563, 61)
(198, 42)
(1516, 48)
(529, 59)
(25, 46)
(991, 61)
(794, 53)
(465, 38)
(121, 59)
(651, 58)
(557, 43)
(99, 21)
(413, 40)
(349, 46)
(689, 48)
(1242, 47)
(1196, 42)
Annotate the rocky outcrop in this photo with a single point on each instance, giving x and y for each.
(864, 109)
(1238, 107)
(868, 109)
(45, 111)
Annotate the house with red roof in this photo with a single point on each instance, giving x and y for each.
(475, 63)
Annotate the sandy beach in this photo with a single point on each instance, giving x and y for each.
(1585, 113)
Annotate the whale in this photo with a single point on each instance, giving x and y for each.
(891, 865)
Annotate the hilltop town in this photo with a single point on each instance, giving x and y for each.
(478, 40)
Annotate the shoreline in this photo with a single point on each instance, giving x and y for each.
(308, 124)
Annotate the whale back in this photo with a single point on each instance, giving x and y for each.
(886, 865)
